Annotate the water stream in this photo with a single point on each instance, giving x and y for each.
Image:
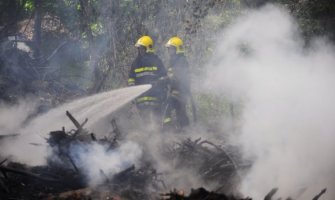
(95, 108)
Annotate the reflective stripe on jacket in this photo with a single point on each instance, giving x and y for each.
(147, 69)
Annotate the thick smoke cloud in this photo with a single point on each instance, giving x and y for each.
(287, 89)
(12, 117)
(97, 161)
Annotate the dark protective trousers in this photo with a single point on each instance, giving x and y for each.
(177, 104)
(151, 115)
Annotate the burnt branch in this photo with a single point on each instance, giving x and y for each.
(320, 194)
(270, 194)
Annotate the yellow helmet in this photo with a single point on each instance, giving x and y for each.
(176, 42)
(146, 42)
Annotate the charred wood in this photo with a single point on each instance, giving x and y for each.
(199, 194)
(320, 194)
(270, 194)
(76, 123)
(6, 170)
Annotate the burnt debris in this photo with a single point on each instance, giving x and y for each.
(64, 178)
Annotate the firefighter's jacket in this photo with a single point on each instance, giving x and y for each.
(179, 76)
(148, 69)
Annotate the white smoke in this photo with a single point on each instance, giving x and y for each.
(12, 117)
(288, 93)
(98, 162)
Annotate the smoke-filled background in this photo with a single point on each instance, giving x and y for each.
(263, 80)
(287, 89)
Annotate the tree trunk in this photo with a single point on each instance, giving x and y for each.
(37, 29)
(85, 14)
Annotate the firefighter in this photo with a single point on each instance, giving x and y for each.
(179, 85)
(148, 68)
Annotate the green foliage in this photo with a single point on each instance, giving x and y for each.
(97, 28)
(315, 17)
(29, 5)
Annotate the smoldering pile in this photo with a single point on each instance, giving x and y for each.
(64, 177)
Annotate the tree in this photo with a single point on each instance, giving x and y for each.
(97, 37)
(37, 37)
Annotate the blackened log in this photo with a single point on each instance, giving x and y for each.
(24, 173)
(3, 186)
(93, 137)
(8, 136)
(270, 194)
(76, 123)
(320, 194)
(2, 162)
